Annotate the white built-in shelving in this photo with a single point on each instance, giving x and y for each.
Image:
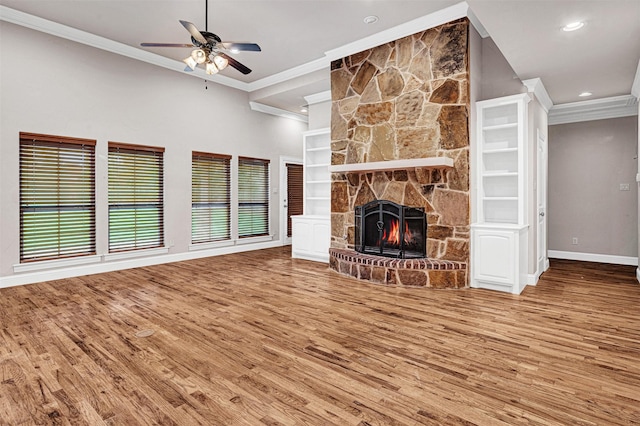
(500, 232)
(312, 230)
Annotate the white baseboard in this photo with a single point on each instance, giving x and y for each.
(593, 257)
(96, 268)
(638, 274)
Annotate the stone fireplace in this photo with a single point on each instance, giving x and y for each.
(404, 100)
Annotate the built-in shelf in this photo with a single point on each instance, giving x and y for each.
(499, 151)
(500, 126)
(500, 235)
(499, 174)
(431, 162)
(311, 232)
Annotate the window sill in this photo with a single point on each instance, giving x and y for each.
(58, 263)
(210, 245)
(252, 240)
(135, 253)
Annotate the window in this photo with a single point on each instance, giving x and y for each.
(253, 197)
(135, 197)
(57, 197)
(210, 197)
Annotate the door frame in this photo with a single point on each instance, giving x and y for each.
(542, 157)
(282, 199)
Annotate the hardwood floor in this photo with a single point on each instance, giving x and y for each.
(259, 338)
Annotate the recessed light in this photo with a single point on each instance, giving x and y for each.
(371, 19)
(573, 26)
(304, 109)
(585, 94)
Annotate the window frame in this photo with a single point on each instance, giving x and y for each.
(137, 243)
(217, 159)
(73, 234)
(267, 193)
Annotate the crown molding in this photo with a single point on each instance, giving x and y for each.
(477, 24)
(635, 88)
(58, 30)
(439, 17)
(596, 109)
(266, 109)
(316, 98)
(457, 11)
(535, 86)
(431, 20)
(291, 73)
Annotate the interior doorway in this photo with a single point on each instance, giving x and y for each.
(291, 182)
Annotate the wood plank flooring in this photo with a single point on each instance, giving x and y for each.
(262, 339)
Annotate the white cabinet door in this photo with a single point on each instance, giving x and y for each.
(499, 257)
(495, 256)
(311, 237)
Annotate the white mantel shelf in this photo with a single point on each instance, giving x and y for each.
(431, 162)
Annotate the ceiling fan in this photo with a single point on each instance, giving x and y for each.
(209, 49)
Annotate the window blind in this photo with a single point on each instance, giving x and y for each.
(57, 197)
(294, 193)
(135, 197)
(253, 197)
(210, 197)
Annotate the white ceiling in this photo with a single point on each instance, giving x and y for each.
(601, 58)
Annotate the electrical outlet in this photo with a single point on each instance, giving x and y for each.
(624, 187)
(574, 241)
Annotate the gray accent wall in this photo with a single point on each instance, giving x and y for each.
(498, 78)
(587, 163)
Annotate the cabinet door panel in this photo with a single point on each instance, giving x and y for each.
(495, 257)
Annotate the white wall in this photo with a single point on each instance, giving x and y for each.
(587, 163)
(55, 86)
(320, 115)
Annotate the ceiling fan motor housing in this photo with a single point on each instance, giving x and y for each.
(212, 40)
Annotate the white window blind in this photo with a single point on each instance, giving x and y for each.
(253, 197)
(135, 197)
(57, 197)
(210, 197)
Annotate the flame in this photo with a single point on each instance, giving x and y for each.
(392, 236)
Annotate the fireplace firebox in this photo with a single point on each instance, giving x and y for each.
(385, 228)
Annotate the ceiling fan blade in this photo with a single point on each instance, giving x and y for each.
(237, 65)
(194, 31)
(241, 47)
(165, 45)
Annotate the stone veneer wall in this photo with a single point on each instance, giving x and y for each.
(405, 99)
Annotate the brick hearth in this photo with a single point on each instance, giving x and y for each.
(434, 273)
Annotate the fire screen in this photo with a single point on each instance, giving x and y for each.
(388, 229)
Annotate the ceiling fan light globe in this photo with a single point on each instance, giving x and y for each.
(211, 68)
(191, 63)
(221, 62)
(199, 56)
